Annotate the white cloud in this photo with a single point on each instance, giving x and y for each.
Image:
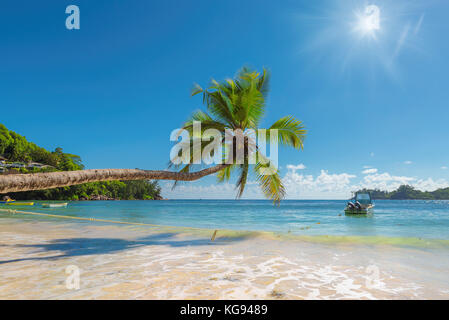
(384, 181)
(296, 167)
(408, 162)
(323, 186)
(430, 185)
(444, 167)
(369, 171)
(197, 190)
(366, 167)
(340, 186)
(372, 154)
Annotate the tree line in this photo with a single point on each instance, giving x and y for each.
(406, 192)
(16, 148)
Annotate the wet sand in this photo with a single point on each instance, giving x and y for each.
(38, 259)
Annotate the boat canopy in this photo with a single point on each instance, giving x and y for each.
(363, 197)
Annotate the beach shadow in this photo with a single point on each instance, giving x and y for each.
(73, 247)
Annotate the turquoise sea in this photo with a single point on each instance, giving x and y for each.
(390, 219)
(299, 250)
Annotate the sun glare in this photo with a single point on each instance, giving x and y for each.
(368, 22)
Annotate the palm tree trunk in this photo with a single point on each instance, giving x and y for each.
(40, 181)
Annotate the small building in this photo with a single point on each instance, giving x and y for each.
(2, 160)
(15, 165)
(37, 165)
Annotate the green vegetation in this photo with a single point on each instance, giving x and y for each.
(107, 190)
(406, 192)
(239, 104)
(234, 110)
(16, 148)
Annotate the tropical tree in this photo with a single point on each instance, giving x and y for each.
(238, 106)
(233, 105)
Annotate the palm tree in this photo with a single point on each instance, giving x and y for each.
(236, 105)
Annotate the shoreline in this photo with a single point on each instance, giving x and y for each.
(407, 242)
(123, 262)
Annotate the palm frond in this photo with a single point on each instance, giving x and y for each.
(196, 89)
(270, 184)
(219, 105)
(186, 169)
(207, 122)
(263, 84)
(241, 182)
(291, 132)
(250, 102)
(225, 174)
(240, 103)
(191, 157)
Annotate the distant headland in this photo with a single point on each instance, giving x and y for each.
(406, 192)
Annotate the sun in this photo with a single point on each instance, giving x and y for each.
(368, 22)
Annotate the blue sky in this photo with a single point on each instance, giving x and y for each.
(113, 91)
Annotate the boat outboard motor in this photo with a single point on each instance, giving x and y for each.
(351, 205)
(358, 205)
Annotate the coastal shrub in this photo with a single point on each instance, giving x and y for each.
(16, 148)
(119, 190)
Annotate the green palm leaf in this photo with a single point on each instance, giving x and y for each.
(270, 184)
(240, 103)
(291, 132)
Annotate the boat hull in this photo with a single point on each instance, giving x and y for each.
(356, 211)
(20, 203)
(350, 211)
(54, 205)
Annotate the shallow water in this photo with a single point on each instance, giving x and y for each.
(390, 219)
(300, 250)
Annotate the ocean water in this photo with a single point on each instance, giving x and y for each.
(299, 250)
(390, 219)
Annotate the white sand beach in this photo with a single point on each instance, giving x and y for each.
(118, 262)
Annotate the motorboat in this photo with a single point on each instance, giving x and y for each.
(360, 204)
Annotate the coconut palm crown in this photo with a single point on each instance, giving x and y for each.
(239, 105)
